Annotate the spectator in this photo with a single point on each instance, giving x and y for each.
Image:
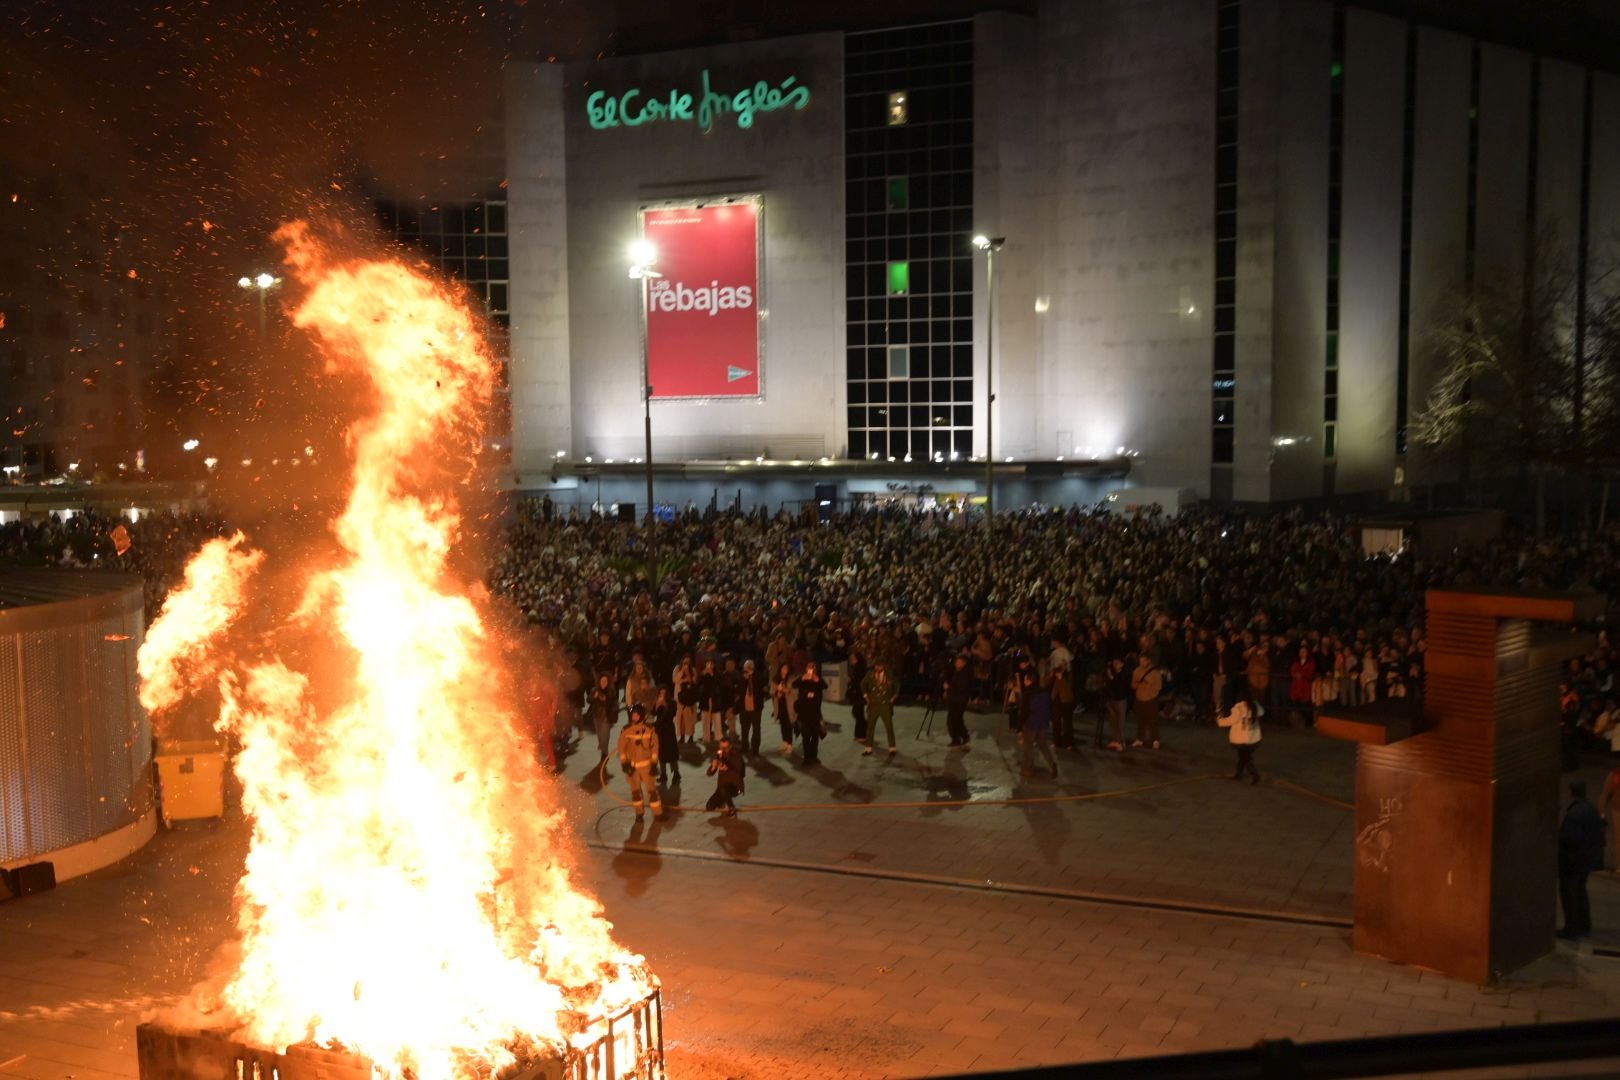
(751, 693)
(1243, 730)
(1117, 697)
(1302, 682)
(685, 679)
(1580, 854)
(1147, 683)
(1036, 731)
(810, 691)
(1063, 698)
(879, 691)
(669, 744)
(604, 711)
(782, 693)
(728, 769)
(956, 689)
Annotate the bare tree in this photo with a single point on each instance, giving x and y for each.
(1503, 393)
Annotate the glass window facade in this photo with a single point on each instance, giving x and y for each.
(468, 241)
(1228, 36)
(1330, 352)
(909, 262)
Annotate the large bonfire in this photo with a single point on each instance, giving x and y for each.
(407, 894)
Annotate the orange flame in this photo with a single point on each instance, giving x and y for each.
(177, 658)
(408, 894)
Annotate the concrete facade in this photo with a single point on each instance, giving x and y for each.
(1131, 243)
(1095, 156)
(537, 220)
(792, 159)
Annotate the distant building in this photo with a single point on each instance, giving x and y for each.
(466, 240)
(82, 327)
(1229, 226)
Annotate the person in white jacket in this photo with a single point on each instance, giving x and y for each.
(1243, 728)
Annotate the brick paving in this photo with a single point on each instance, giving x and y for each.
(879, 968)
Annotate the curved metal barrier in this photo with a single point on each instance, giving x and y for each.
(75, 744)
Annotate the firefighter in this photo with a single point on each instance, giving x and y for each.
(638, 754)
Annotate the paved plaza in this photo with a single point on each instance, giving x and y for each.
(929, 914)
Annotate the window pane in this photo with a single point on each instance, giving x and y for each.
(899, 192)
(899, 361)
(897, 108)
(899, 278)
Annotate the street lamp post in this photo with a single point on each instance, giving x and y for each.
(263, 283)
(990, 245)
(642, 257)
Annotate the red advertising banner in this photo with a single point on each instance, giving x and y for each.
(703, 307)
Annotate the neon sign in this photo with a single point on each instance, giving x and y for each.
(633, 108)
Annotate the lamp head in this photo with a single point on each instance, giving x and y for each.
(643, 253)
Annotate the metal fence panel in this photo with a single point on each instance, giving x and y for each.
(13, 758)
(75, 745)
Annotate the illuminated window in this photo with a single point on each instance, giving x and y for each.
(899, 278)
(899, 361)
(897, 193)
(897, 108)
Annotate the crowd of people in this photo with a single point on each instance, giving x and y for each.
(156, 546)
(1052, 616)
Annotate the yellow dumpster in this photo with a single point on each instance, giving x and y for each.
(191, 779)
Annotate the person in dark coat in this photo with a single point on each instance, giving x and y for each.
(711, 698)
(750, 704)
(958, 687)
(605, 658)
(1035, 732)
(782, 699)
(807, 711)
(604, 711)
(669, 746)
(732, 685)
(727, 770)
(856, 694)
(1580, 853)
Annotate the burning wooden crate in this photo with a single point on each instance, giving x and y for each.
(631, 1047)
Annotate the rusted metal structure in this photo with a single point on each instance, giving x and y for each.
(1457, 800)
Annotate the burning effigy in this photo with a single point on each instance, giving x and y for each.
(408, 902)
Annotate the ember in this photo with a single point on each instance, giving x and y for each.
(408, 897)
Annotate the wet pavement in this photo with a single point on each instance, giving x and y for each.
(930, 914)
